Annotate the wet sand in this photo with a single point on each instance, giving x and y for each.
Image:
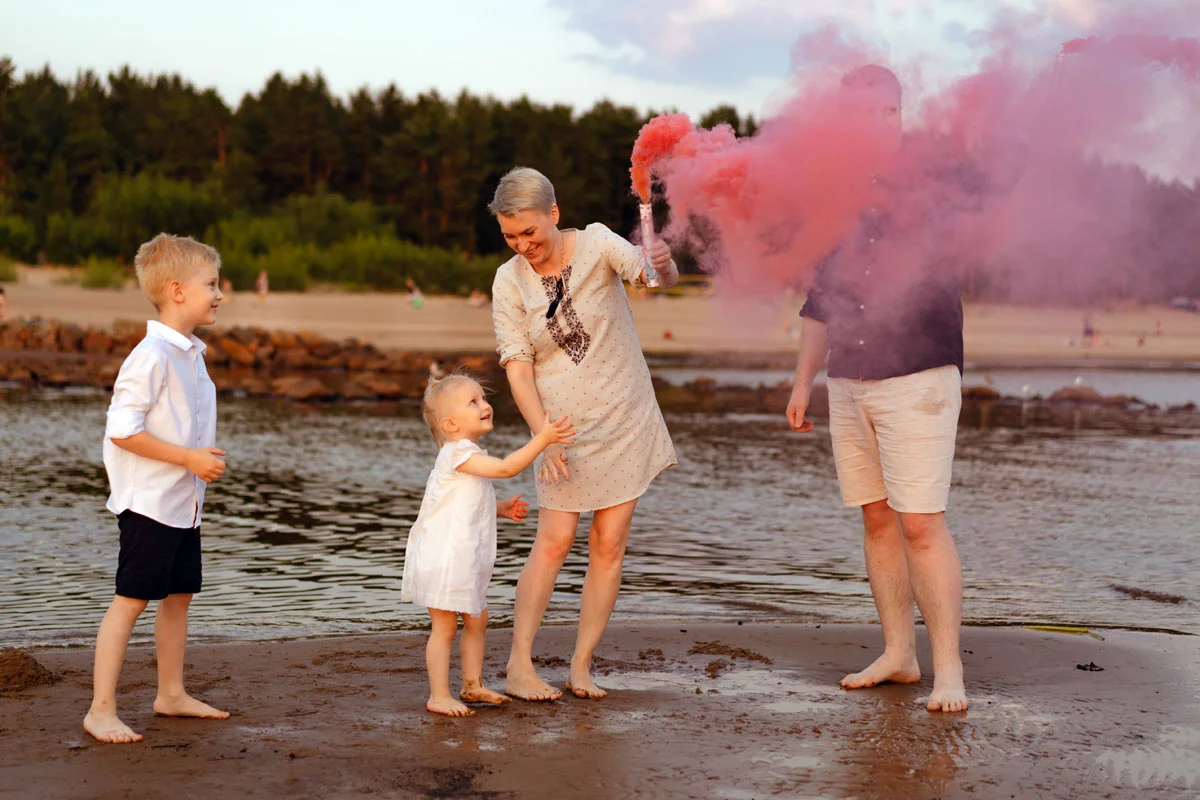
(723, 711)
(994, 334)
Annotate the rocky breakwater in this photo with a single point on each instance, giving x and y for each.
(246, 361)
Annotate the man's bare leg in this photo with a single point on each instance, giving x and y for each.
(170, 642)
(556, 534)
(888, 571)
(111, 642)
(936, 575)
(606, 553)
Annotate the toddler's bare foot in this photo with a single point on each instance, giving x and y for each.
(108, 728)
(481, 694)
(448, 706)
(948, 692)
(524, 684)
(581, 685)
(888, 668)
(186, 706)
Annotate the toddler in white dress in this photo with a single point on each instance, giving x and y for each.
(452, 546)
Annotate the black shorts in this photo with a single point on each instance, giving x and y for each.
(156, 560)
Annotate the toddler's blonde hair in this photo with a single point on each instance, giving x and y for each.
(167, 258)
(435, 394)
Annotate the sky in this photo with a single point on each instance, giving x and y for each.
(686, 55)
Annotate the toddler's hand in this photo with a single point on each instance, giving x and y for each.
(560, 432)
(513, 508)
(206, 463)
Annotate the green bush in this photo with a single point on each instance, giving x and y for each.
(384, 262)
(288, 267)
(127, 211)
(101, 274)
(8, 271)
(18, 239)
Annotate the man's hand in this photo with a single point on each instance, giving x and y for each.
(206, 463)
(797, 408)
(513, 508)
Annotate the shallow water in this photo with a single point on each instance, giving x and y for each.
(305, 534)
(1160, 387)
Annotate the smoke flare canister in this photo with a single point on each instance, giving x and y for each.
(645, 210)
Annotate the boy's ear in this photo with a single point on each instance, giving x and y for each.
(174, 292)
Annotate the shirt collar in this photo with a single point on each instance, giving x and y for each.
(168, 334)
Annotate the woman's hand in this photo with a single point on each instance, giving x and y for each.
(513, 508)
(553, 468)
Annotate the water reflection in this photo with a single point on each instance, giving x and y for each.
(306, 533)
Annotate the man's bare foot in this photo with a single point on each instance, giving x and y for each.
(108, 728)
(885, 669)
(186, 706)
(449, 706)
(948, 693)
(482, 694)
(581, 685)
(524, 684)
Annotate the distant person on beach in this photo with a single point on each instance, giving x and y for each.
(477, 299)
(895, 390)
(3, 305)
(261, 285)
(566, 338)
(160, 456)
(451, 548)
(414, 294)
(226, 290)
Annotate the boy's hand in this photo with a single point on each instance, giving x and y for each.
(513, 508)
(560, 432)
(206, 463)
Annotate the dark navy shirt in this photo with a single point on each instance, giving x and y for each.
(890, 295)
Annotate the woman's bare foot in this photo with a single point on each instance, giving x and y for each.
(108, 728)
(948, 692)
(885, 669)
(581, 685)
(524, 684)
(482, 694)
(186, 706)
(449, 706)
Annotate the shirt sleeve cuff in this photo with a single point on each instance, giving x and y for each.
(123, 423)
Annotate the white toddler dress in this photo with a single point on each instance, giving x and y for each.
(452, 546)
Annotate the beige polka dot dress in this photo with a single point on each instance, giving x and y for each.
(588, 365)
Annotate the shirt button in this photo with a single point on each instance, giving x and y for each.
(867, 272)
(861, 342)
(862, 308)
(871, 240)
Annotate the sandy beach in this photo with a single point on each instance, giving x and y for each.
(725, 711)
(692, 325)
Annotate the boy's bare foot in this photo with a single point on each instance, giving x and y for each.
(526, 685)
(948, 692)
(581, 685)
(186, 706)
(887, 668)
(450, 707)
(482, 694)
(108, 728)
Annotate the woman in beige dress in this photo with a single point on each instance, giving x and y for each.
(566, 338)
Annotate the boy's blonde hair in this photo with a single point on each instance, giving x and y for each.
(167, 258)
(435, 393)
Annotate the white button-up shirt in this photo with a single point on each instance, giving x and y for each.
(163, 388)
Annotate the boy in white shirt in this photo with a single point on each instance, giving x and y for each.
(159, 455)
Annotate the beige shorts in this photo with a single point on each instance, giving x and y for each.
(894, 439)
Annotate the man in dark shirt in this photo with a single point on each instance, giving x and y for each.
(886, 309)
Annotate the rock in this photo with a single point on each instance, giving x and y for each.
(980, 392)
(372, 385)
(283, 339)
(97, 342)
(238, 353)
(294, 358)
(302, 388)
(309, 340)
(1076, 394)
(71, 338)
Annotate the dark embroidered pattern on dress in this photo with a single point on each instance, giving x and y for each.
(574, 340)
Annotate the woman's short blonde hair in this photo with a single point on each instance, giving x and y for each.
(436, 392)
(167, 258)
(522, 189)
